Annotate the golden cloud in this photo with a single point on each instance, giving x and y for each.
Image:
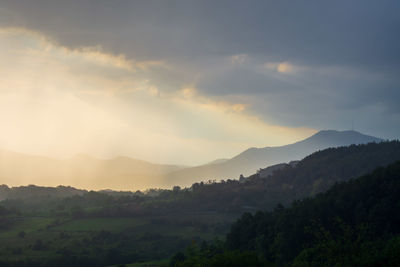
(281, 67)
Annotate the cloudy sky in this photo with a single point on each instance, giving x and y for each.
(190, 81)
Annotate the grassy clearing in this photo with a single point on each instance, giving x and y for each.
(99, 224)
(26, 224)
(160, 263)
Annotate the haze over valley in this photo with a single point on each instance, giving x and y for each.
(127, 174)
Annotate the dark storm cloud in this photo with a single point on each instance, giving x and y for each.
(335, 100)
(313, 32)
(349, 51)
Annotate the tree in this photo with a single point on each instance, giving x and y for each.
(21, 234)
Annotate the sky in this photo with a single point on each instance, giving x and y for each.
(187, 82)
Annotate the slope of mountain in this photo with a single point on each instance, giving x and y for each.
(80, 171)
(269, 171)
(312, 175)
(355, 223)
(249, 161)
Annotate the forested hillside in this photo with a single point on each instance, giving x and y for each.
(355, 223)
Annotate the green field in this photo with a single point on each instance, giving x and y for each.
(160, 263)
(139, 241)
(27, 224)
(99, 224)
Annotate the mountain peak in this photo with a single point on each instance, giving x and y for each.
(346, 137)
(252, 159)
(322, 132)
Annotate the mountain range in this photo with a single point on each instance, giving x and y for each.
(124, 173)
(252, 159)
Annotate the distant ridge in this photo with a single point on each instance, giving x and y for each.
(81, 171)
(252, 159)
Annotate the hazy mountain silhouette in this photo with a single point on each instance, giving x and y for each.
(252, 159)
(124, 173)
(81, 171)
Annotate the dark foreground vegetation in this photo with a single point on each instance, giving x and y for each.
(355, 223)
(68, 227)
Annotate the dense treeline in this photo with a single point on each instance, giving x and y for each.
(355, 223)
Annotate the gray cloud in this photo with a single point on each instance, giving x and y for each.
(349, 50)
(330, 32)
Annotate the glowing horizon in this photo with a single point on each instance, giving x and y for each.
(58, 102)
